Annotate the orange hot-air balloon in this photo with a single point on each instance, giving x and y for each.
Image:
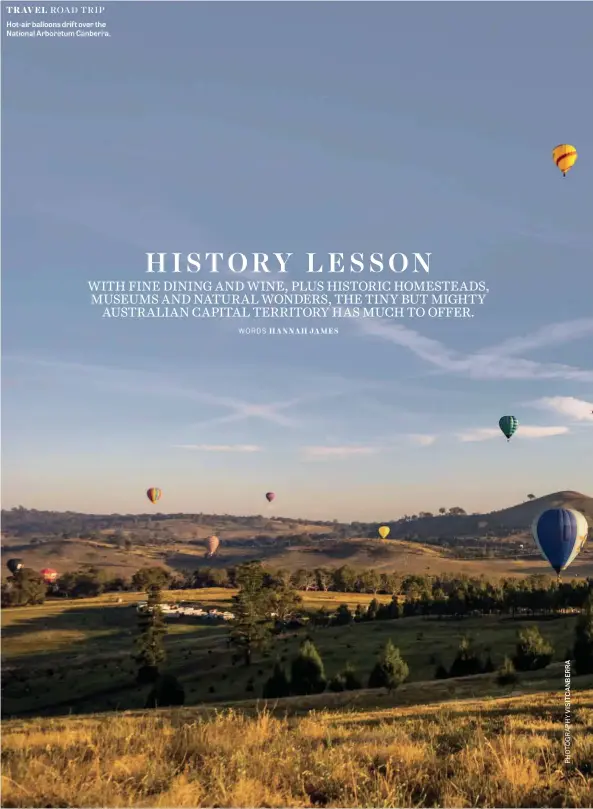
(154, 494)
(212, 543)
(564, 156)
(384, 531)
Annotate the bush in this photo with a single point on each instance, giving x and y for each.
(352, 681)
(167, 692)
(506, 673)
(390, 670)
(336, 684)
(346, 680)
(488, 666)
(533, 652)
(343, 616)
(307, 673)
(372, 610)
(441, 672)
(467, 660)
(277, 685)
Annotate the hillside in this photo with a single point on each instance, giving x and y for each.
(450, 543)
(516, 518)
(470, 751)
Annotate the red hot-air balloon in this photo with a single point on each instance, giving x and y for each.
(270, 496)
(154, 494)
(49, 575)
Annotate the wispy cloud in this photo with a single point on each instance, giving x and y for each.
(422, 440)
(497, 362)
(524, 431)
(575, 409)
(270, 412)
(552, 335)
(219, 447)
(324, 453)
(157, 384)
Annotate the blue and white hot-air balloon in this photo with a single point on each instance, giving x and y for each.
(560, 533)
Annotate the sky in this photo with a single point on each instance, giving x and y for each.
(299, 127)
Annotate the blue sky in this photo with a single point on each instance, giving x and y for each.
(299, 127)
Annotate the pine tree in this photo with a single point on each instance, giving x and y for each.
(582, 652)
(307, 672)
(390, 670)
(152, 629)
(252, 625)
(350, 679)
(467, 660)
(277, 685)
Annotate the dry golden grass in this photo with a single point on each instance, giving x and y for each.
(503, 752)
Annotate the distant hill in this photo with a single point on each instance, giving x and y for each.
(517, 518)
(463, 543)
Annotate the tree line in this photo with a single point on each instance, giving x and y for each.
(262, 608)
(431, 595)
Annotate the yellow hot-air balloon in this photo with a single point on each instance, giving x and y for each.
(384, 531)
(565, 156)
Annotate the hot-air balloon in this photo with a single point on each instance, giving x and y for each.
(14, 564)
(270, 496)
(384, 531)
(560, 533)
(508, 424)
(49, 575)
(154, 494)
(565, 156)
(212, 543)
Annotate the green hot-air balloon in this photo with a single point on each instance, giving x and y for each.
(508, 425)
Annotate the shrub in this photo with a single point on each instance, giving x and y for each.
(352, 681)
(390, 670)
(506, 673)
(533, 651)
(467, 660)
(307, 672)
(488, 665)
(166, 692)
(336, 683)
(277, 685)
(441, 672)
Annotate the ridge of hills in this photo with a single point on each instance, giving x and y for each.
(497, 543)
(516, 518)
(21, 521)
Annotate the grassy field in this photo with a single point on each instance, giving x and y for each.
(75, 656)
(385, 556)
(465, 752)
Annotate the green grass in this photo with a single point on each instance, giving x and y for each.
(76, 656)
